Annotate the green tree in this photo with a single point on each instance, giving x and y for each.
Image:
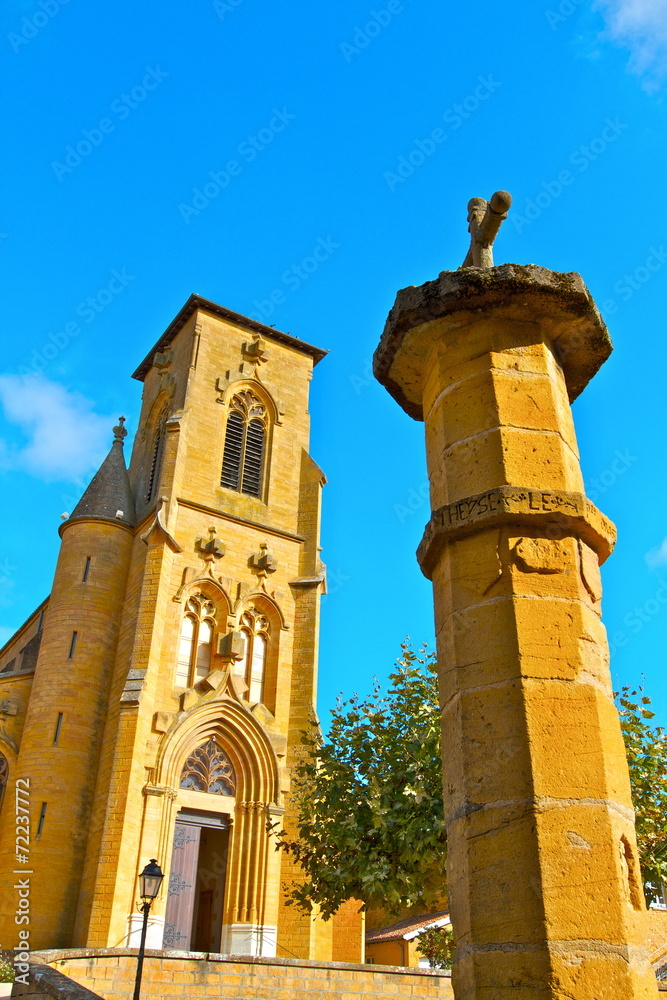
(369, 795)
(437, 945)
(646, 749)
(371, 820)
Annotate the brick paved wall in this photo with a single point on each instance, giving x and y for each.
(110, 974)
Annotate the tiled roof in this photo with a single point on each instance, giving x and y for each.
(410, 926)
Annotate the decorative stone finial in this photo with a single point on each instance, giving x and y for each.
(210, 548)
(119, 432)
(485, 219)
(263, 562)
(255, 351)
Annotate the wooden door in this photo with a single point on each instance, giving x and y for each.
(204, 928)
(182, 883)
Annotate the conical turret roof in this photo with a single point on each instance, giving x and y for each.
(109, 496)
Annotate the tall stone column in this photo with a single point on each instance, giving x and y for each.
(543, 876)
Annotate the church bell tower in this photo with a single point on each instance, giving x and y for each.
(187, 731)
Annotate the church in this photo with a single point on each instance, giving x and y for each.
(152, 705)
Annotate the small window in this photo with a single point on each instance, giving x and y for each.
(72, 645)
(196, 641)
(86, 570)
(59, 723)
(245, 445)
(42, 817)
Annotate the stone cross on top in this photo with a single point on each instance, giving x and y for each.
(485, 219)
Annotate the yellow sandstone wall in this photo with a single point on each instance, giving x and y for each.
(206, 365)
(112, 977)
(62, 774)
(543, 875)
(112, 782)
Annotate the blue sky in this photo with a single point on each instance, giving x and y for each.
(161, 148)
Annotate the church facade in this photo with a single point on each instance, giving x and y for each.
(152, 706)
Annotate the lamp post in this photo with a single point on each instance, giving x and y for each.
(151, 880)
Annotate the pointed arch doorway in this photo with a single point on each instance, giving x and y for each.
(196, 893)
(198, 872)
(223, 773)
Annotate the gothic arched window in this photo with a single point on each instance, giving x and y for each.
(252, 666)
(245, 444)
(196, 641)
(4, 776)
(156, 458)
(209, 769)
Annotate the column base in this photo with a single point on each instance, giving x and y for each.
(258, 940)
(154, 931)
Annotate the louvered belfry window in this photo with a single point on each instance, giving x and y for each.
(245, 443)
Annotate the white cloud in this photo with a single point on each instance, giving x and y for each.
(657, 557)
(63, 438)
(641, 27)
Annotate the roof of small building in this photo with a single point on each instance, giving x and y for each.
(31, 617)
(108, 496)
(407, 928)
(196, 302)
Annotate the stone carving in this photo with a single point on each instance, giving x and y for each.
(263, 562)
(485, 219)
(554, 513)
(255, 351)
(539, 555)
(162, 721)
(162, 360)
(158, 529)
(590, 572)
(210, 548)
(119, 432)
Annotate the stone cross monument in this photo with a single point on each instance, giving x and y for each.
(543, 875)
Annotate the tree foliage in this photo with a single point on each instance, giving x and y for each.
(437, 945)
(646, 749)
(371, 820)
(369, 796)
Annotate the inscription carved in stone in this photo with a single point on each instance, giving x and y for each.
(556, 514)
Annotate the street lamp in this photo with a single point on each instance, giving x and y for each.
(150, 881)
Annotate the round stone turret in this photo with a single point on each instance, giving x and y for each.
(60, 746)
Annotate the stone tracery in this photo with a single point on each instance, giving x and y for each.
(209, 769)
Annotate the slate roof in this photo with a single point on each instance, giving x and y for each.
(108, 492)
